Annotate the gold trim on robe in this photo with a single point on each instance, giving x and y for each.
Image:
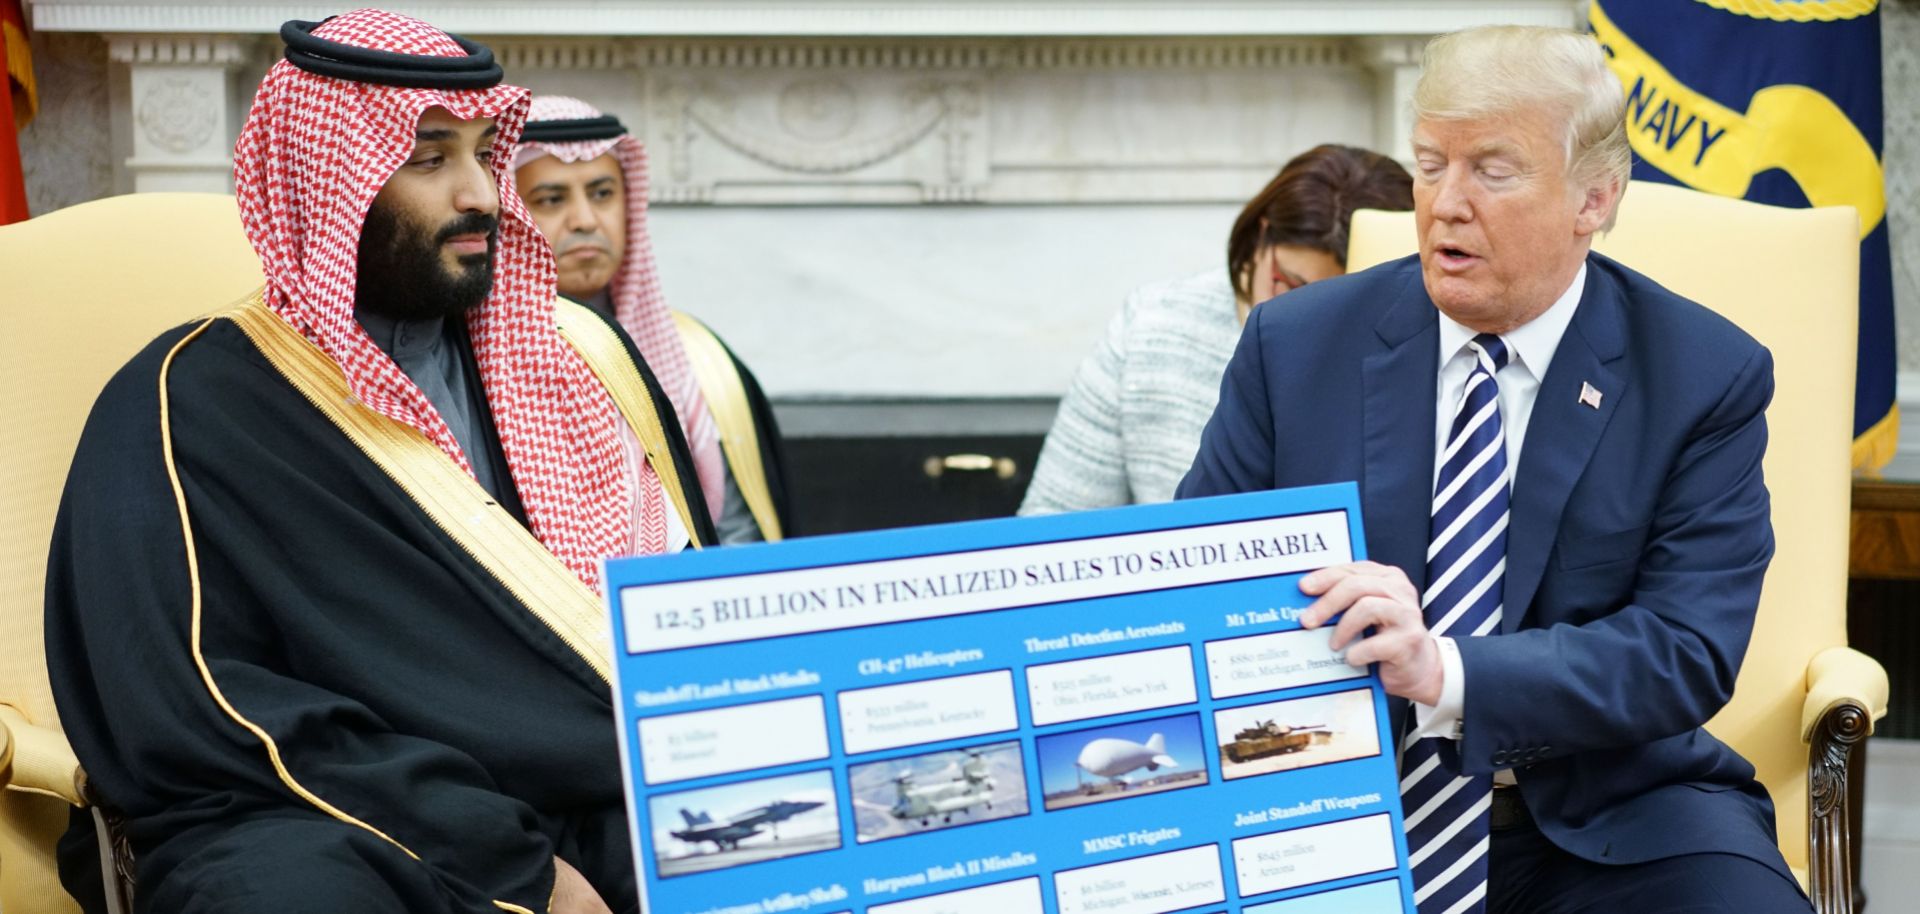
(451, 497)
(193, 578)
(600, 346)
(726, 395)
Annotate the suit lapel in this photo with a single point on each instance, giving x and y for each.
(1561, 436)
(1397, 429)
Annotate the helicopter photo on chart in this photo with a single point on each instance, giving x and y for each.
(1296, 733)
(937, 790)
(713, 828)
(1120, 761)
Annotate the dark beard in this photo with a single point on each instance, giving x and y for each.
(400, 276)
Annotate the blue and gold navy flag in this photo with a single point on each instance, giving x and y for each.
(1774, 101)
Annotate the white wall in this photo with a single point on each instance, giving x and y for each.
(76, 151)
(945, 302)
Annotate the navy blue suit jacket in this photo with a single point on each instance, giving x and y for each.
(1639, 533)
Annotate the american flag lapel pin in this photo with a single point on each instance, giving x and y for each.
(1589, 394)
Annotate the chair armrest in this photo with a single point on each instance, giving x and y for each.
(43, 762)
(6, 755)
(1842, 675)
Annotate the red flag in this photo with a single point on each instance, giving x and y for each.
(17, 106)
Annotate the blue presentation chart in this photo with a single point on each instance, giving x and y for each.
(1113, 712)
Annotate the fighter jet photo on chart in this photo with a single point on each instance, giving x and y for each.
(727, 835)
(936, 790)
(717, 827)
(1121, 760)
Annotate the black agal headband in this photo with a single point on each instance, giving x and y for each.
(314, 54)
(573, 130)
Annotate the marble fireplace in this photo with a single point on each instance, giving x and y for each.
(913, 219)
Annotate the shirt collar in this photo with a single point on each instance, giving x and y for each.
(602, 301)
(1532, 343)
(403, 341)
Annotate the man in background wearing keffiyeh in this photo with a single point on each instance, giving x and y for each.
(324, 616)
(583, 178)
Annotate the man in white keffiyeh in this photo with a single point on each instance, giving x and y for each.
(324, 621)
(583, 179)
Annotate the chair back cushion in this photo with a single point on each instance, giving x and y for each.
(86, 288)
(1790, 278)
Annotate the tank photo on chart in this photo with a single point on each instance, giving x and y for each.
(1296, 733)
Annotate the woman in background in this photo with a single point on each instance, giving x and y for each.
(1130, 423)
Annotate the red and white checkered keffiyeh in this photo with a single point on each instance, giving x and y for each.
(314, 152)
(638, 303)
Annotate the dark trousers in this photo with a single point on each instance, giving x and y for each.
(1527, 874)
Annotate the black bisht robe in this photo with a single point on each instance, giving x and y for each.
(773, 457)
(406, 692)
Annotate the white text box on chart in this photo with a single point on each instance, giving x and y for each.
(1279, 660)
(927, 711)
(1110, 684)
(728, 609)
(1317, 853)
(1172, 881)
(675, 747)
(1021, 896)
(1370, 898)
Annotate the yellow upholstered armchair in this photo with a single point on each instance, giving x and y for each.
(1789, 277)
(86, 287)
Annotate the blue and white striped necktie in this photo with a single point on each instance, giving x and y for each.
(1446, 816)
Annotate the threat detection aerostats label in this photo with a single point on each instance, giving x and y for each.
(1113, 712)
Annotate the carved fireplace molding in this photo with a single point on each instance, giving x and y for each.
(746, 102)
(905, 202)
(895, 18)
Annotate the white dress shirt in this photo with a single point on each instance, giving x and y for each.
(1531, 346)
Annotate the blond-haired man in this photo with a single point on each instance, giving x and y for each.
(1560, 467)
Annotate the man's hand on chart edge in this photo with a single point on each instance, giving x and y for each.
(1380, 621)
